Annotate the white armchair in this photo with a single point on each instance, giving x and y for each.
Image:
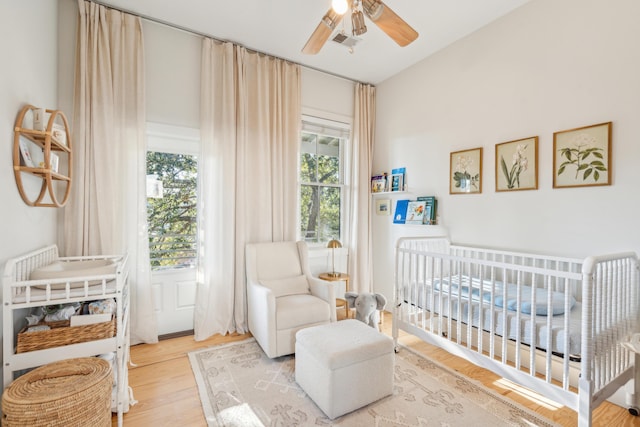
(282, 296)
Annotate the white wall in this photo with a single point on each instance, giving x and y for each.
(28, 46)
(172, 74)
(28, 49)
(28, 43)
(548, 66)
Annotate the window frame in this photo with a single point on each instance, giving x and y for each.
(338, 126)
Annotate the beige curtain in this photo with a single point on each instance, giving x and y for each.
(360, 248)
(106, 213)
(250, 129)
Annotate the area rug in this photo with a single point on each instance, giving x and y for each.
(240, 386)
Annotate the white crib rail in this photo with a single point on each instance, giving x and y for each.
(610, 315)
(431, 302)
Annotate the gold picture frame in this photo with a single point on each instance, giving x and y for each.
(582, 156)
(465, 171)
(517, 165)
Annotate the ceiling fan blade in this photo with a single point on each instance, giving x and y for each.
(387, 20)
(322, 32)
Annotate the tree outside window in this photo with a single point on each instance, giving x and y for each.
(172, 209)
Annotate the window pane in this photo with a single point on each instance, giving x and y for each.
(329, 160)
(171, 209)
(308, 167)
(308, 156)
(329, 213)
(329, 170)
(309, 212)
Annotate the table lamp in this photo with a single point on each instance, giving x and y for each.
(333, 244)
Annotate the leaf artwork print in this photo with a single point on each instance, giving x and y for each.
(464, 180)
(583, 158)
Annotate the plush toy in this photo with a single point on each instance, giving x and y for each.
(367, 306)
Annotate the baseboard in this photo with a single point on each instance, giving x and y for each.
(175, 335)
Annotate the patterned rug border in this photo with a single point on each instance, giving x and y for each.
(202, 386)
(483, 388)
(209, 412)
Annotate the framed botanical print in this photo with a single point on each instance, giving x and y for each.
(582, 156)
(517, 165)
(465, 171)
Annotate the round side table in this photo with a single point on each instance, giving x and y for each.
(338, 277)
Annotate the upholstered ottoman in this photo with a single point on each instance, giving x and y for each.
(343, 366)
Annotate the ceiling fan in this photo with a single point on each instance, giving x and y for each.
(385, 18)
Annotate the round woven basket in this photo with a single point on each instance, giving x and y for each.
(73, 392)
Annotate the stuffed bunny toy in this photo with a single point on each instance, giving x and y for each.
(367, 307)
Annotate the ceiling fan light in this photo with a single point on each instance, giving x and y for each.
(357, 23)
(339, 6)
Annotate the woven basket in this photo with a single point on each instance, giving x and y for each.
(73, 392)
(62, 334)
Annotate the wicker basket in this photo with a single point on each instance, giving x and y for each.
(62, 334)
(73, 392)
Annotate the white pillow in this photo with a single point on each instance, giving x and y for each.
(289, 286)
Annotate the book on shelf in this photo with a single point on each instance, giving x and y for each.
(416, 212)
(400, 215)
(25, 154)
(431, 208)
(378, 183)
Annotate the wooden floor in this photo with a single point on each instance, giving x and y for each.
(165, 388)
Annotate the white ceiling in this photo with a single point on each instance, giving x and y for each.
(282, 27)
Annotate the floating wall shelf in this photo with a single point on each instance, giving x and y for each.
(50, 141)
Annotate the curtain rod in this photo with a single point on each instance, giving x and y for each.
(201, 34)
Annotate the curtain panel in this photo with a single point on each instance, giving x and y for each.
(106, 213)
(250, 130)
(361, 160)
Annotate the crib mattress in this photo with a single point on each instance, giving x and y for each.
(458, 309)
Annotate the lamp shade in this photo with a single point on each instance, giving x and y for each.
(333, 244)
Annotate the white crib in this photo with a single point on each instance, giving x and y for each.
(491, 307)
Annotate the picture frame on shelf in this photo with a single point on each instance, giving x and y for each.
(465, 171)
(517, 165)
(398, 179)
(582, 156)
(397, 182)
(383, 207)
(415, 212)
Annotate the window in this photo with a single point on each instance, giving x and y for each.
(322, 146)
(172, 179)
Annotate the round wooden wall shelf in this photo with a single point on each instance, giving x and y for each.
(55, 142)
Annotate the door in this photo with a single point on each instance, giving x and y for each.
(172, 176)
